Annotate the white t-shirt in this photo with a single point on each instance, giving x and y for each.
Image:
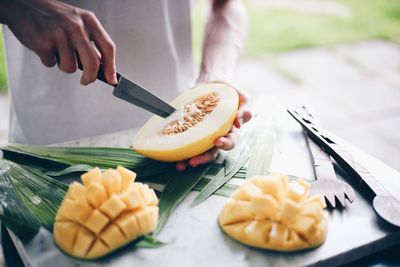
(153, 40)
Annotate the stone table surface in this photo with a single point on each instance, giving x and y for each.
(194, 239)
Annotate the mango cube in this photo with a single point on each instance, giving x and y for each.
(127, 178)
(96, 221)
(278, 235)
(288, 211)
(258, 231)
(236, 211)
(297, 191)
(272, 186)
(246, 192)
(92, 176)
(112, 182)
(316, 199)
(76, 192)
(99, 248)
(265, 206)
(82, 243)
(96, 194)
(132, 199)
(313, 210)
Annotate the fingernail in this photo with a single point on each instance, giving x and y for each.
(112, 77)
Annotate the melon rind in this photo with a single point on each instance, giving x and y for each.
(196, 140)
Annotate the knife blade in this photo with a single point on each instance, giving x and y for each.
(135, 94)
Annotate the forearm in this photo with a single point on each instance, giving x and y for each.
(224, 38)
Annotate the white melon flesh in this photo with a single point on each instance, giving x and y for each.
(151, 142)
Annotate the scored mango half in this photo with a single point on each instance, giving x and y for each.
(104, 213)
(272, 213)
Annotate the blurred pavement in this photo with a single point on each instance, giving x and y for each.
(353, 89)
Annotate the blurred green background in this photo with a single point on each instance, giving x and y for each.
(283, 25)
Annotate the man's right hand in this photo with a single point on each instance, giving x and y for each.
(58, 32)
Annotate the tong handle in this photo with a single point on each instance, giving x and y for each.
(323, 167)
(339, 154)
(352, 167)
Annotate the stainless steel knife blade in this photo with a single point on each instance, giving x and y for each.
(135, 93)
(139, 96)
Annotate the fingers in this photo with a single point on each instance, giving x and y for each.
(228, 141)
(80, 42)
(206, 157)
(66, 60)
(243, 115)
(89, 58)
(47, 53)
(49, 59)
(181, 166)
(104, 44)
(244, 112)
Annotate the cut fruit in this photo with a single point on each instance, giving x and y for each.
(269, 212)
(202, 114)
(105, 213)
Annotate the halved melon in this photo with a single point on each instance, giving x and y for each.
(269, 212)
(202, 114)
(106, 212)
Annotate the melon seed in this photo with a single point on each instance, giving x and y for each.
(194, 112)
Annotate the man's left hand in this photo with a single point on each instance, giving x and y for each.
(226, 142)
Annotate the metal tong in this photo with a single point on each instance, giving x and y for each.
(332, 190)
(384, 203)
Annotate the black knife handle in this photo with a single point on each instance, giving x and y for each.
(100, 74)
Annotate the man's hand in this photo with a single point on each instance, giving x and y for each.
(226, 142)
(58, 33)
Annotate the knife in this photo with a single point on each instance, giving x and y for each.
(135, 94)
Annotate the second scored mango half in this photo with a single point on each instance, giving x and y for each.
(272, 213)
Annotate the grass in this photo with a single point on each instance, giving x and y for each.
(3, 72)
(280, 29)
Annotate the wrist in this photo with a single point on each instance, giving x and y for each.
(211, 76)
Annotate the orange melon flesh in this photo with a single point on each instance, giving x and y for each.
(108, 211)
(151, 142)
(271, 213)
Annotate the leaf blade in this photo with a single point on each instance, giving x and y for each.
(13, 212)
(177, 188)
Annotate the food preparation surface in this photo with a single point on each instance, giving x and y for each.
(194, 238)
